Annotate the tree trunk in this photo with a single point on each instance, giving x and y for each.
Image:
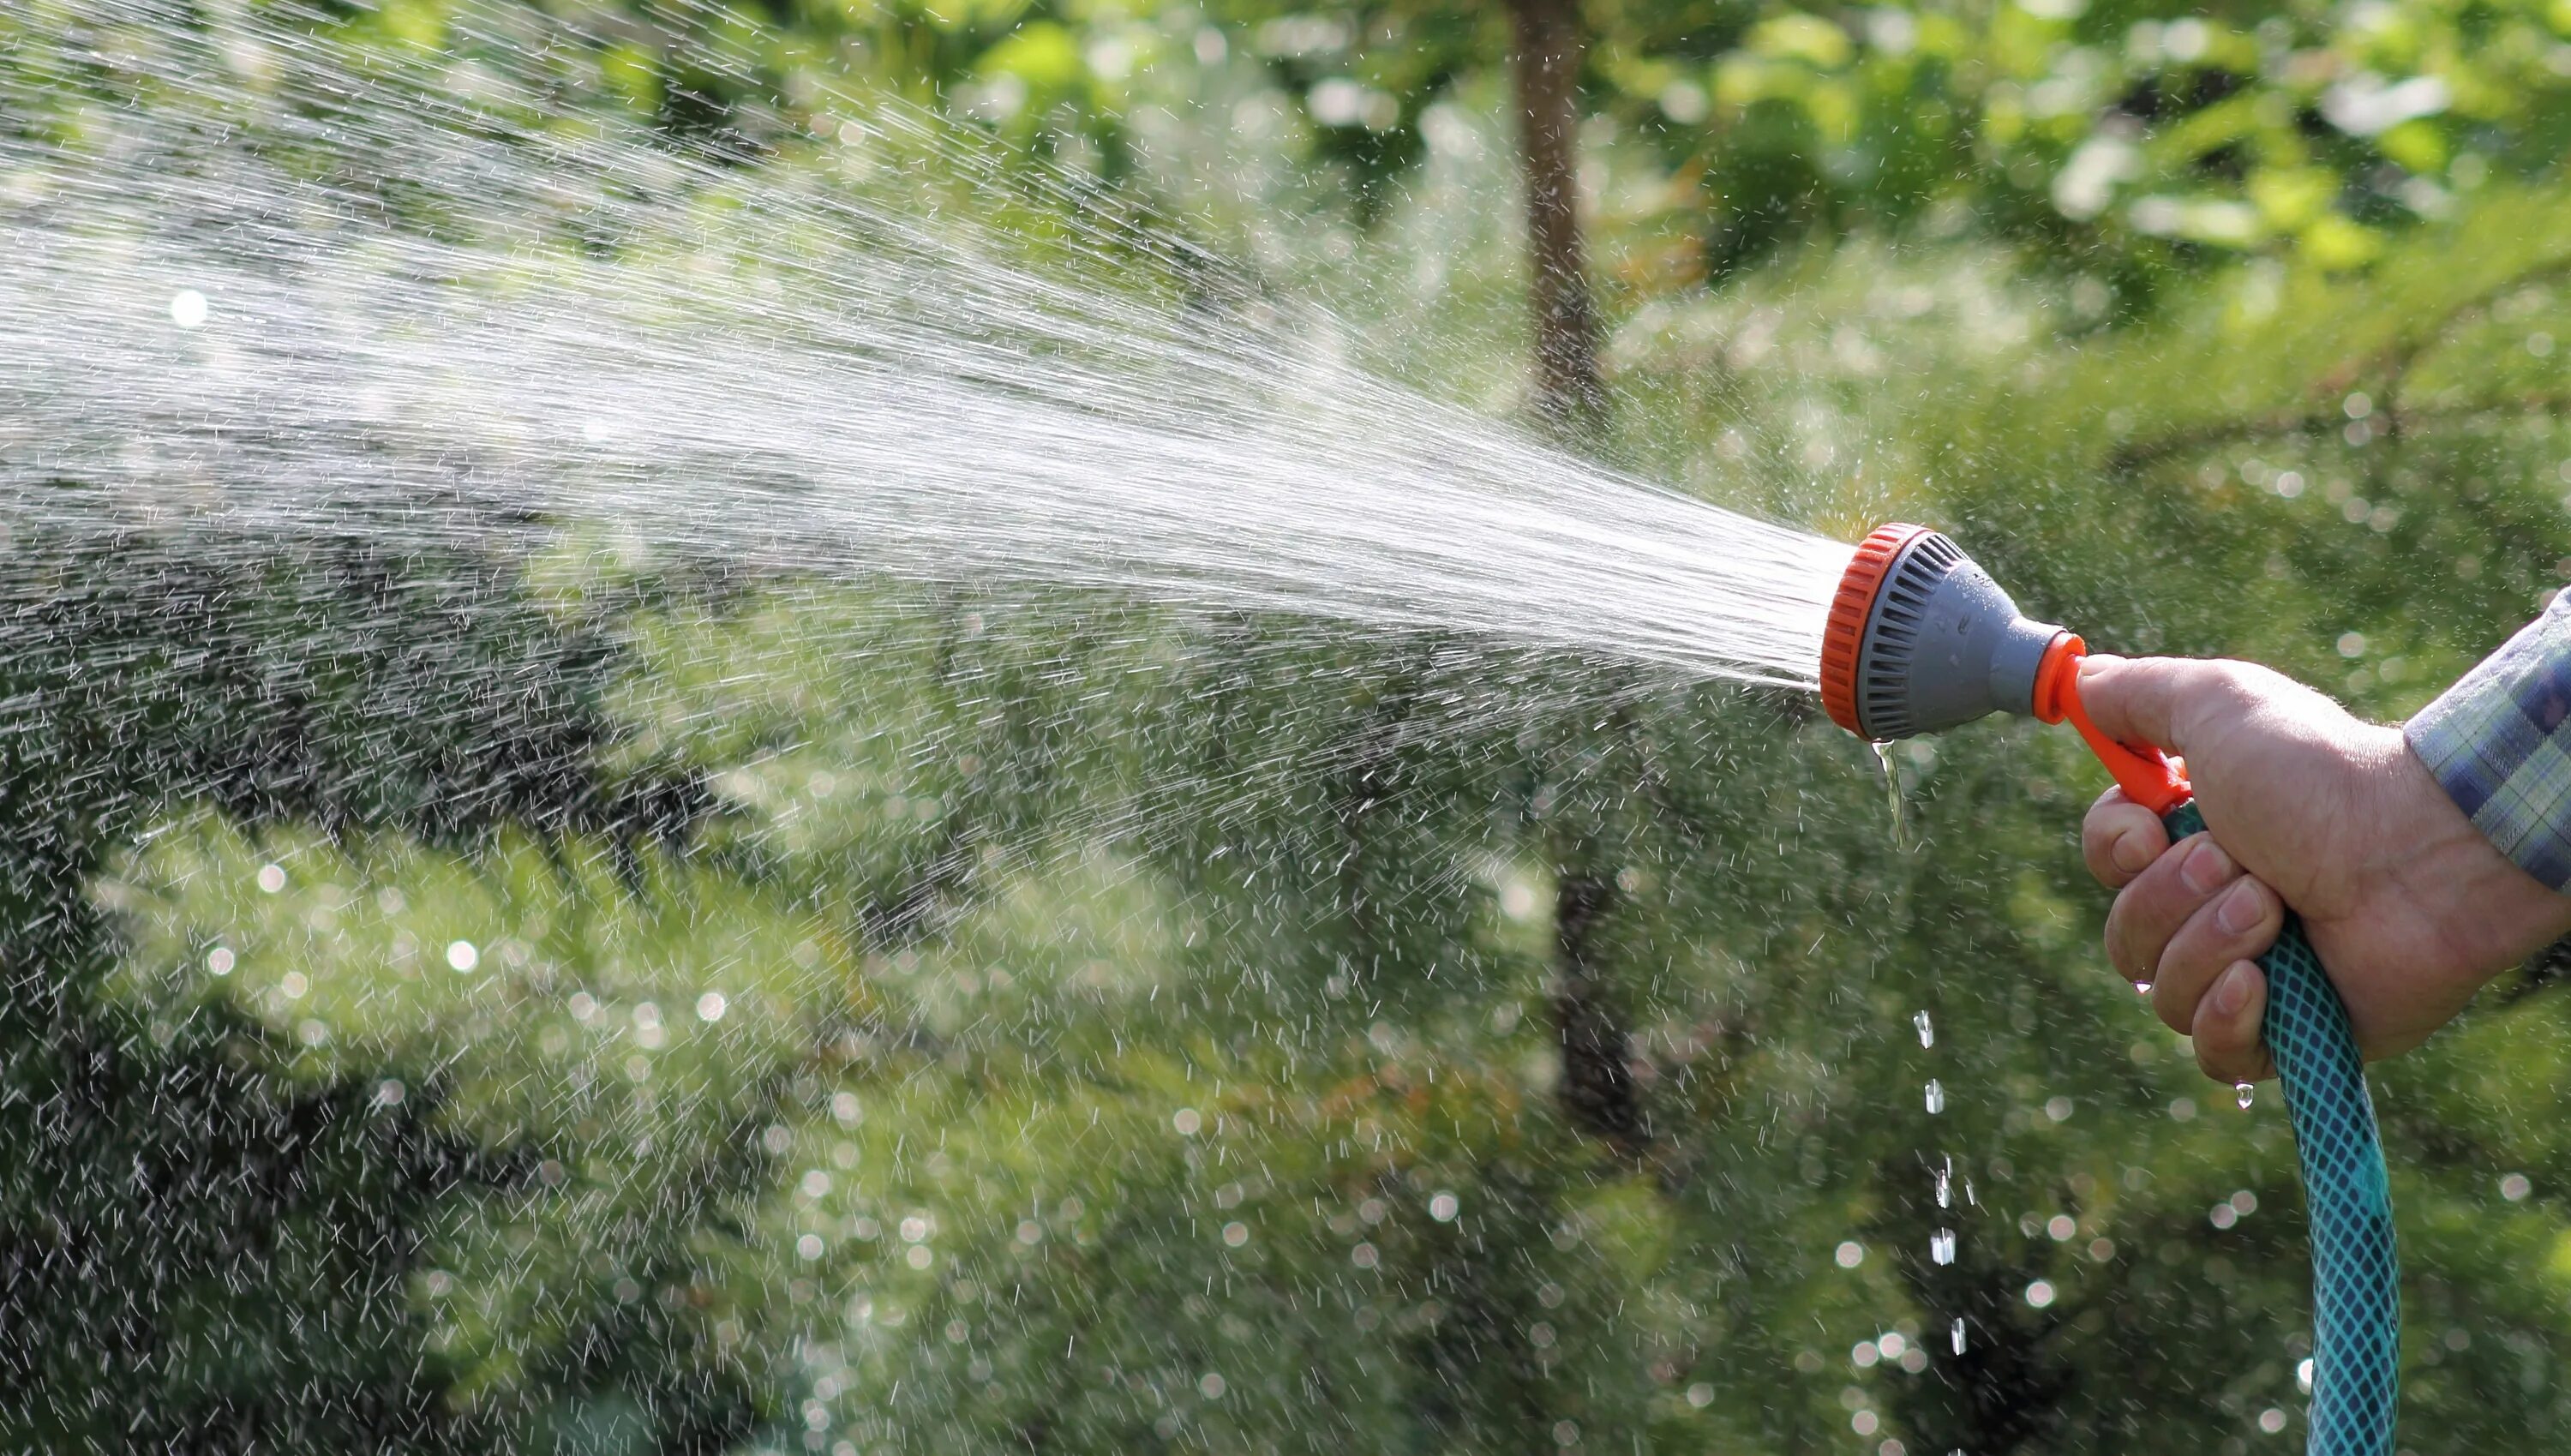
(1549, 45)
(1596, 1091)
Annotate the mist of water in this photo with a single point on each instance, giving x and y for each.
(449, 313)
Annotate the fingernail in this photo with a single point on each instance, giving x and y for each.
(2241, 908)
(2132, 851)
(2207, 868)
(2233, 991)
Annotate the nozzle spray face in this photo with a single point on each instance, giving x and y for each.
(1920, 640)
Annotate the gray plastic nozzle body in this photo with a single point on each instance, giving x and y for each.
(1943, 645)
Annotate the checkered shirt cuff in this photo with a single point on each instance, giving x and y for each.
(2499, 741)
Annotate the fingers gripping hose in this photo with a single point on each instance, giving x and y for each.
(2357, 1297)
(1920, 639)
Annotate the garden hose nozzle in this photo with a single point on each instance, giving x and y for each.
(1922, 640)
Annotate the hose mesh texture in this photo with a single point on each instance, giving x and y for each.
(2356, 1295)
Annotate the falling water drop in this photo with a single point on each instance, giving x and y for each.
(1947, 1185)
(1892, 790)
(1937, 1097)
(2241, 1091)
(1942, 1246)
(1956, 1336)
(1927, 1033)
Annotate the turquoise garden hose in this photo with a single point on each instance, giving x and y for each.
(1920, 640)
(2357, 1295)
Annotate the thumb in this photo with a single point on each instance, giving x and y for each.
(2138, 700)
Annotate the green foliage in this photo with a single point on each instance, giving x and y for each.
(2117, 142)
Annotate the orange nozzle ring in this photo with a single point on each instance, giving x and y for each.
(1853, 604)
(2056, 677)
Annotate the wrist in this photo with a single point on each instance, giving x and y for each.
(2493, 914)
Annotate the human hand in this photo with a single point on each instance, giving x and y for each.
(2409, 906)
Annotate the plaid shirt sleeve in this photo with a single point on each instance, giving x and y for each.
(2499, 741)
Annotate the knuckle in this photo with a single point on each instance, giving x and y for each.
(2098, 825)
(2205, 867)
(2131, 951)
(2095, 843)
(2158, 903)
(2117, 848)
(2248, 917)
(2272, 913)
(2239, 681)
(2220, 690)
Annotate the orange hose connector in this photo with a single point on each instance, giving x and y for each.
(2148, 776)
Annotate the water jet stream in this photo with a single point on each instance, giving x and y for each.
(207, 331)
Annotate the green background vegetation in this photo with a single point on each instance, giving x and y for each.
(501, 1004)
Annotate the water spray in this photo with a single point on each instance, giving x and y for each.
(1922, 640)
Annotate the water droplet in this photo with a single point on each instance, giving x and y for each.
(1947, 1185)
(1937, 1097)
(1942, 1246)
(187, 308)
(1927, 1033)
(2243, 1093)
(1893, 792)
(1956, 1336)
(461, 955)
